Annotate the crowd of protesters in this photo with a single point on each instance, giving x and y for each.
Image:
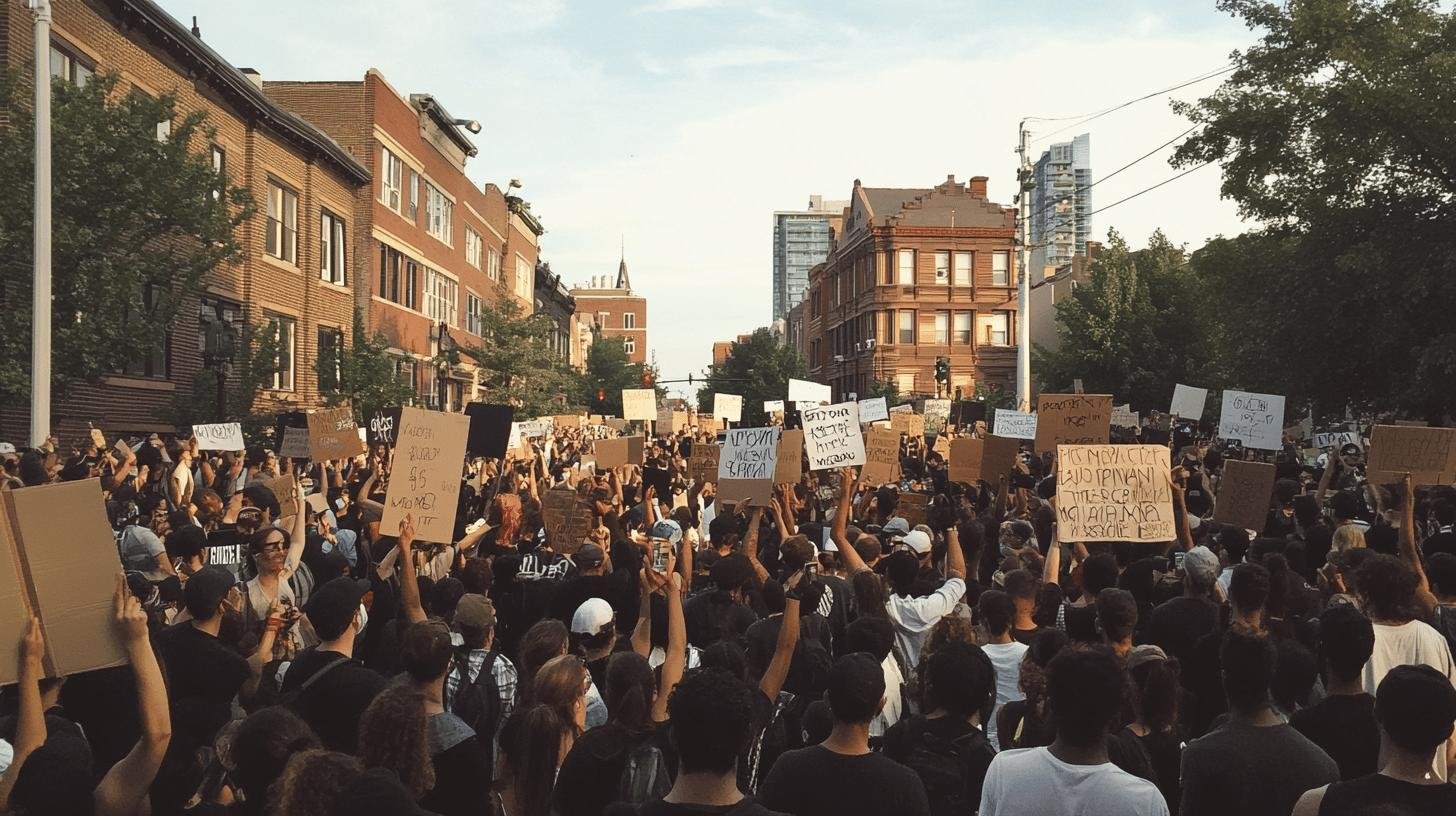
(836, 650)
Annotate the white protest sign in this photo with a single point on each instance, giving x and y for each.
(1257, 420)
(1334, 440)
(1015, 424)
(808, 393)
(728, 406)
(639, 403)
(773, 406)
(220, 436)
(873, 410)
(1123, 416)
(907, 408)
(749, 453)
(1188, 401)
(832, 436)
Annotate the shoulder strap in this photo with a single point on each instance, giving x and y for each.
(318, 675)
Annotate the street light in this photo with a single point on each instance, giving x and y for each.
(469, 124)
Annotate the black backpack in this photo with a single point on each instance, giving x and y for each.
(478, 703)
(952, 771)
(645, 777)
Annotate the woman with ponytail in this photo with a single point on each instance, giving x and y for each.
(531, 748)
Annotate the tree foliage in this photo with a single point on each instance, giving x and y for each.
(518, 365)
(132, 214)
(607, 373)
(367, 380)
(759, 369)
(255, 359)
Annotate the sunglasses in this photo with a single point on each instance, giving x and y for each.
(269, 547)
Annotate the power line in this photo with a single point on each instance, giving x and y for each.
(1086, 187)
(1083, 120)
(1150, 189)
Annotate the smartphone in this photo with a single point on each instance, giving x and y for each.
(661, 549)
(1178, 559)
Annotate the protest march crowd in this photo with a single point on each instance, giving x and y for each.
(576, 618)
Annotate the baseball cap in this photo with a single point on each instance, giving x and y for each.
(590, 555)
(666, 529)
(474, 616)
(206, 589)
(1146, 653)
(592, 617)
(896, 527)
(333, 605)
(917, 541)
(6, 449)
(1201, 561)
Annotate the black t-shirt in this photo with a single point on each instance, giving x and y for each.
(815, 781)
(1176, 625)
(1251, 770)
(591, 774)
(462, 769)
(1379, 793)
(203, 676)
(1344, 726)
(1440, 542)
(902, 738)
(745, 807)
(333, 705)
(1079, 622)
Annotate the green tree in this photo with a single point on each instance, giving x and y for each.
(883, 388)
(608, 371)
(363, 374)
(1335, 130)
(1133, 331)
(138, 222)
(760, 370)
(255, 360)
(518, 365)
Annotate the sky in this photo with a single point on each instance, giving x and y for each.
(677, 127)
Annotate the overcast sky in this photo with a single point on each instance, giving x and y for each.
(682, 125)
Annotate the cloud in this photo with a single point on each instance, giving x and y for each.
(748, 56)
(667, 6)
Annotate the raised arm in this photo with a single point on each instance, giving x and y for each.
(677, 646)
(299, 536)
(642, 632)
(1185, 533)
(778, 667)
(955, 559)
(852, 561)
(122, 789)
(1051, 570)
(1409, 550)
(30, 729)
(409, 585)
(750, 542)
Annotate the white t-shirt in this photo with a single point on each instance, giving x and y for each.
(890, 713)
(914, 617)
(1413, 643)
(1006, 659)
(1031, 781)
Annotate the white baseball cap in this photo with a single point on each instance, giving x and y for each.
(918, 541)
(592, 617)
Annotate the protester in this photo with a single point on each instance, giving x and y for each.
(1006, 654)
(1343, 723)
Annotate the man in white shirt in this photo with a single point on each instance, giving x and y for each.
(1072, 776)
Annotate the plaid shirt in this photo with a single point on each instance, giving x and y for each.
(504, 673)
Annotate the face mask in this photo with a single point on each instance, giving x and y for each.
(363, 618)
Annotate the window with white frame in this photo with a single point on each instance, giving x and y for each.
(629, 320)
(68, 64)
(994, 328)
(332, 249)
(629, 345)
(474, 314)
(492, 264)
(942, 328)
(523, 279)
(963, 265)
(1001, 269)
(442, 297)
(472, 246)
(282, 238)
(285, 332)
(905, 272)
(963, 328)
(439, 213)
(942, 267)
(391, 178)
(414, 196)
(328, 361)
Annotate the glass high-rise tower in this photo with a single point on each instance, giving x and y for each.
(1061, 203)
(801, 240)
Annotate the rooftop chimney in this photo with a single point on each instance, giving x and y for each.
(978, 187)
(253, 76)
(196, 32)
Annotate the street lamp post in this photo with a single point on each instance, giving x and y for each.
(40, 328)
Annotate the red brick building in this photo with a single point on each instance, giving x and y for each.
(915, 275)
(611, 309)
(438, 248)
(296, 174)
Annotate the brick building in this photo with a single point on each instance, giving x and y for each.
(723, 349)
(611, 309)
(554, 300)
(917, 274)
(439, 248)
(293, 274)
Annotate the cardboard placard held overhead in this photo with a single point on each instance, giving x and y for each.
(912, 425)
(424, 474)
(490, 429)
(1073, 419)
(639, 404)
(832, 437)
(1427, 454)
(747, 464)
(295, 444)
(58, 562)
(791, 458)
(703, 463)
(873, 410)
(1334, 439)
(567, 518)
(219, 436)
(282, 490)
(1188, 401)
(99, 440)
(1243, 495)
(612, 452)
(966, 457)
(728, 406)
(569, 420)
(636, 445)
(1257, 420)
(882, 457)
(708, 424)
(998, 457)
(809, 393)
(1014, 424)
(1114, 493)
(914, 508)
(1123, 416)
(333, 434)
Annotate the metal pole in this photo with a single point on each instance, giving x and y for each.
(40, 329)
(1023, 302)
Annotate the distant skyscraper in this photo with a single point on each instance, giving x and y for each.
(801, 240)
(1061, 202)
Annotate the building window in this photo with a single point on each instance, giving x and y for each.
(472, 247)
(995, 328)
(282, 240)
(963, 328)
(148, 362)
(439, 213)
(942, 267)
(219, 166)
(164, 130)
(602, 320)
(414, 196)
(68, 64)
(404, 370)
(1001, 269)
(391, 175)
(907, 326)
(523, 279)
(905, 274)
(332, 249)
(211, 310)
(328, 362)
(963, 265)
(474, 315)
(492, 264)
(629, 320)
(397, 277)
(629, 344)
(442, 297)
(942, 328)
(285, 331)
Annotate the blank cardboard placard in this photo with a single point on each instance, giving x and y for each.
(220, 436)
(882, 457)
(639, 404)
(1427, 454)
(832, 437)
(490, 429)
(966, 457)
(60, 565)
(703, 464)
(873, 410)
(707, 424)
(808, 392)
(998, 457)
(569, 420)
(612, 452)
(333, 434)
(295, 444)
(905, 422)
(773, 406)
(317, 502)
(914, 508)
(635, 447)
(424, 475)
(791, 458)
(728, 406)
(1073, 419)
(1014, 424)
(1188, 401)
(282, 490)
(567, 518)
(1243, 494)
(1114, 493)
(1257, 420)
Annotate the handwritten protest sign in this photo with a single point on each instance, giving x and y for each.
(1188, 401)
(382, 424)
(873, 410)
(1114, 493)
(295, 444)
(1243, 494)
(882, 455)
(670, 421)
(966, 459)
(1427, 454)
(773, 406)
(808, 393)
(333, 434)
(424, 474)
(790, 467)
(1014, 424)
(1257, 420)
(639, 404)
(905, 408)
(703, 464)
(1334, 439)
(220, 436)
(747, 464)
(832, 437)
(937, 413)
(728, 406)
(568, 519)
(1072, 419)
(912, 425)
(707, 424)
(1123, 416)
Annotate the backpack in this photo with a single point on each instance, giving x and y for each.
(644, 775)
(952, 771)
(478, 703)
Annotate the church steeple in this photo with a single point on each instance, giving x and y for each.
(623, 282)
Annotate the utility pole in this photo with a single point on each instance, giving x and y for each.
(40, 328)
(1023, 303)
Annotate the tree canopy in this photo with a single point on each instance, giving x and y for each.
(607, 373)
(759, 369)
(518, 365)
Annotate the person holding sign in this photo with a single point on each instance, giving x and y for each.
(282, 582)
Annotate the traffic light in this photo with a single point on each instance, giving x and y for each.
(601, 395)
(942, 369)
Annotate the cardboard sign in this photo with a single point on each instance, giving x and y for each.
(295, 444)
(906, 408)
(490, 429)
(639, 404)
(1257, 420)
(218, 436)
(809, 393)
(333, 434)
(967, 412)
(791, 458)
(914, 508)
(424, 473)
(912, 425)
(532, 429)
(1243, 495)
(1014, 424)
(569, 420)
(873, 410)
(635, 447)
(1073, 419)
(882, 454)
(618, 425)
(773, 406)
(567, 518)
(1114, 493)
(703, 463)
(831, 436)
(728, 406)
(707, 424)
(612, 452)
(942, 447)
(747, 465)
(282, 490)
(1123, 416)
(58, 562)
(1188, 401)
(967, 456)
(998, 457)
(1334, 440)
(317, 502)
(1427, 454)
(937, 409)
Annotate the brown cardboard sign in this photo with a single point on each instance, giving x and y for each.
(636, 446)
(295, 444)
(58, 562)
(914, 508)
(998, 457)
(882, 456)
(612, 452)
(1114, 493)
(1243, 494)
(567, 420)
(567, 518)
(703, 464)
(1427, 454)
(282, 490)
(333, 434)
(1073, 419)
(905, 422)
(791, 457)
(424, 473)
(967, 458)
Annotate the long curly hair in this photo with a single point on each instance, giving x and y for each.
(393, 734)
(311, 781)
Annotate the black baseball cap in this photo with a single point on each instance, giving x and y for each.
(206, 589)
(332, 606)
